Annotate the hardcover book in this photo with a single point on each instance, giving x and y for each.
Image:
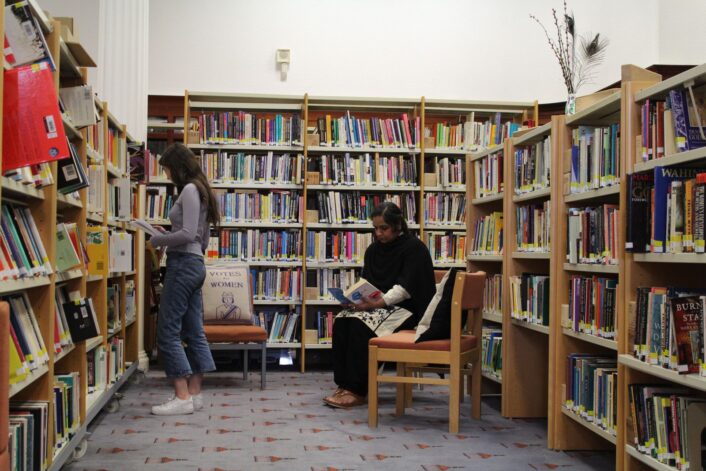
(687, 313)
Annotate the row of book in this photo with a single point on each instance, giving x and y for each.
(447, 172)
(159, 200)
(488, 175)
(444, 208)
(28, 352)
(595, 157)
(63, 342)
(670, 126)
(593, 235)
(119, 199)
(242, 167)
(529, 298)
(22, 253)
(335, 207)
(338, 246)
(533, 166)
(281, 206)
(95, 195)
(29, 435)
(488, 235)
(446, 247)
(152, 168)
(240, 127)
(277, 284)
(105, 365)
(256, 244)
(491, 348)
(667, 423)
(324, 327)
(121, 252)
(592, 389)
(593, 306)
(350, 131)
(323, 279)
(533, 227)
(67, 408)
(70, 251)
(667, 211)
(493, 294)
(669, 328)
(471, 134)
(281, 326)
(37, 176)
(113, 295)
(364, 169)
(116, 150)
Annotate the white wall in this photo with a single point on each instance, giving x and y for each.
(464, 49)
(682, 39)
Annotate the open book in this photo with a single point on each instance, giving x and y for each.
(361, 291)
(144, 226)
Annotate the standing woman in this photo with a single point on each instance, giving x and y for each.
(399, 265)
(181, 309)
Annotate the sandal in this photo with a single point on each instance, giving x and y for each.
(345, 400)
(335, 394)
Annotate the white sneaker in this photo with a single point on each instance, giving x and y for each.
(174, 406)
(198, 401)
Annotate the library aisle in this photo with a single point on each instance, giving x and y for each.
(288, 427)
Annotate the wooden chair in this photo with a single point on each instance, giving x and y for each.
(4, 385)
(454, 353)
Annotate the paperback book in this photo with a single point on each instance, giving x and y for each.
(361, 291)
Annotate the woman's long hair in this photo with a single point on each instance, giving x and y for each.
(392, 215)
(184, 168)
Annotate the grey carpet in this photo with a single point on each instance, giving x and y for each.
(286, 427)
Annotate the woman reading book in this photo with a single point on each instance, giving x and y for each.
(180, 320)
(399, 265)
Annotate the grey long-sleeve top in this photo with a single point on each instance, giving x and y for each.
(190, 230)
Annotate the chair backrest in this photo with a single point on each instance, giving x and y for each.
(4, 384)
(439, 274)
(467, 295)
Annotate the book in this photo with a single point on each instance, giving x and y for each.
(81, 318)
(78, 102)
(687, 312)
(145, 226)
(361, 291)
(24, 41)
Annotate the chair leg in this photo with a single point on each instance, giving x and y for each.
(454, 398)
(476, 379)
(401, 395)
(408, 388)
(263, 365)
(245, 365)
(373, 387)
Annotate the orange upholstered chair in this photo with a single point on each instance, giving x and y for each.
(4, 385)
(453, 354)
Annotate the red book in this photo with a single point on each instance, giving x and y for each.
(32, 128)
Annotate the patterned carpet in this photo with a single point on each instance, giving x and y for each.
(286, 427)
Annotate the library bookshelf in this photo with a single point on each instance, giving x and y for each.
(527, 210)
(48, 208)
(675, 269)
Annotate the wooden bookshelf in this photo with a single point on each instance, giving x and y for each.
(48, 207)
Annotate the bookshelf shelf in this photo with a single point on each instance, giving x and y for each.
(597, 194)
(601, 112)
(64, 353)
(101, 398)
(256, 263)
(68, 66)
(69, 275)
(444, 227)
(113, 171)
(246, 147)
(93, 154)
(532, 195)
(532, 255)
(542, 329)
(349, 226)
(485, 258)
(284, 345)
(279, 302)
(445, 189)
(159, 222)
(361, 150)
(691, 380)
(333, 264)
(603, 342)
(670, 258)
(440, 151)
(322, 302)
(166, 181)
(21, 284)
(486, 152)
(160, 125)
(449, 264)
(93, 343)
(250, 186)
(71, 132)
(130, 322)
(589, 425)
(11, 187)
(680, 158)
(93, 278)
(262, 224)
(660, 90)
(356, 187)
(31, 378)
(647, 460)
(68, 201)
(492, 377)
(318, 346)
(496, 317)
(532, 136)
(488, 199)
(65, 453)
(591, 268)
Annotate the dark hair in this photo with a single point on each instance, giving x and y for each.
(391, 214)
(184, 168)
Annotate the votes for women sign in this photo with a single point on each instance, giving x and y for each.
(227, 296)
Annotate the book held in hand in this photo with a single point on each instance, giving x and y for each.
(361, 291)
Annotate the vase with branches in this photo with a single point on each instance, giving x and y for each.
(578, 55)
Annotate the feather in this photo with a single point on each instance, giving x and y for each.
(569, 20)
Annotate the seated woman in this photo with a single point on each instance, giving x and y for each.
(399, 265)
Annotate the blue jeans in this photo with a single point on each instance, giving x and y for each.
(181, 318)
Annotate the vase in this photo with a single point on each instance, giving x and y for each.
(570, 104)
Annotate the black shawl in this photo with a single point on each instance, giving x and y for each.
(406, 262)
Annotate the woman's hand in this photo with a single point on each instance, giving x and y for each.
(370, 305)
(161, 229)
